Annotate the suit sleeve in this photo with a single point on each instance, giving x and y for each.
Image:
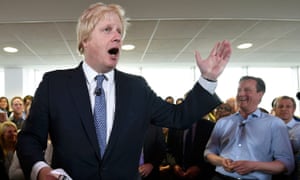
(197, 104)
(32, 139)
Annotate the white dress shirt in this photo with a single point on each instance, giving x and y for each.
(108, 86)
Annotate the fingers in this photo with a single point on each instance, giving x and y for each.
(227, 164)
(143, 172)
(221, 50)
(217, 49)
(218, 58)
(240, 167)
(225, 50)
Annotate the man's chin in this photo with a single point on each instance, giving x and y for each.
(111, 67)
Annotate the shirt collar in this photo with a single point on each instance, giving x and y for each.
(255, 114)
(90, 73)
(292, 123)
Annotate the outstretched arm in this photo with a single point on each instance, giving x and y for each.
(214, 64)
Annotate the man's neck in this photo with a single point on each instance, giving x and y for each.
(18, 116)
(287, 120)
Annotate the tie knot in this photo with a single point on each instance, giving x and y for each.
(99, 79)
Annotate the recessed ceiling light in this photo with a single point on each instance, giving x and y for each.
(128, 47)
(10, 49)
(245, 46)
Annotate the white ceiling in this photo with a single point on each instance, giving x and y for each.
(165, 32)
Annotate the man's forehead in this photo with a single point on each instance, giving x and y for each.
(109, 15)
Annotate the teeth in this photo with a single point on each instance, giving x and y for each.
(113, 51)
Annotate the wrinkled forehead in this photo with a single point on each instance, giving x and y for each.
(109, 16)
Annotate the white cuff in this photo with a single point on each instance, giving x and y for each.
(36, 169)
(208, 85)
(60, 174)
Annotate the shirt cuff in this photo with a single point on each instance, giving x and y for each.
(36, 169)
(209, 86)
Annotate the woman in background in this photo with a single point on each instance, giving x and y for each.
(8, 140)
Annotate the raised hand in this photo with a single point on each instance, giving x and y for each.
(214, 64)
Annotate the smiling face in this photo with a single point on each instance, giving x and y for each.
(248, 97)
(10, 134)
(102, 47)
(3, 103)
(17, 106)
(285, 109)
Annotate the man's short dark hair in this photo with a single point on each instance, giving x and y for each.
(260, 84)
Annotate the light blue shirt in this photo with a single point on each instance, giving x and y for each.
(259, 137)
(294, 134)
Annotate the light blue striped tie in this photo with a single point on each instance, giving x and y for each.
(100, 114)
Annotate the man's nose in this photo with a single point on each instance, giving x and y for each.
(117, 37)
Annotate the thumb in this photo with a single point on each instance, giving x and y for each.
(198, 56)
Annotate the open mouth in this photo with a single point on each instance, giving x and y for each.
(113, 51)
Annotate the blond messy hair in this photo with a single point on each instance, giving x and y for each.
(91, 16)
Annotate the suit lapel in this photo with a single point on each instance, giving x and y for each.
(79, 92)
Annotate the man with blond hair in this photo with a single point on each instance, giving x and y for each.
(96, 115)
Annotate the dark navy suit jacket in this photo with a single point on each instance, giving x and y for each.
(62, 107)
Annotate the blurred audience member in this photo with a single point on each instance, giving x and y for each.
(4, 105)
(273, 106)
(232, 102)
(3, 173)
(3, 116)
(4, 109)
(170, 99)
(27, 100)
(165, 167)
(18, 115)
(187, 147)
(284, 108)
(153, 152)
(179, 100)
(15, 171)
(8, 140)
(223, 110)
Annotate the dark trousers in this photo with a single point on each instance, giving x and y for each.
(219, 176)
(222, 177)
